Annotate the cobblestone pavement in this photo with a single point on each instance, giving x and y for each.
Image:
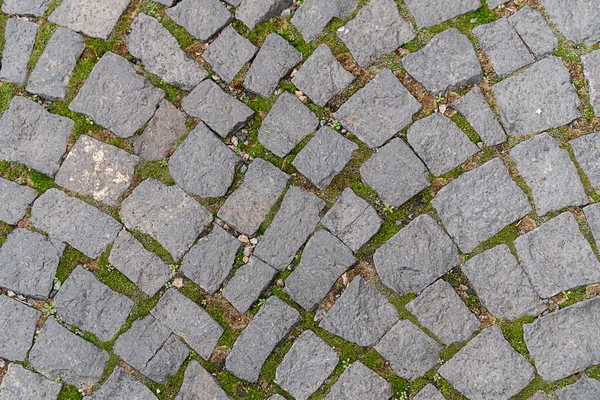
(309, 199)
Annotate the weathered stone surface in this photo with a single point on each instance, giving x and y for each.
(234, 3)
(379, 110)
(120, 385)
(29, 261)
(480, 203)
(557, 257)
(324, 156)
(14, 201)
(322, 76)
(201, 18)
(294, 222)
(306, 366)
(592, 214)
(447, 62)
(33, 8)
(20, 383)
(53, 70)
(566, 341)
(578, 20)
(432, 12)
(277, 397)
(140, 266)
(74, 221)
(188, 320)
(534, 31)
(247, 207)
(478, 113)
(19, 38)
(223, 113)
(416, 256)
(377, 29)
(288, 122)
(314, 15)
(541, 396)
(361, 315)
(17, 329)
(395, 173)
(161, 55)
(587, 152)
(254, 12)
(248, 283)
(274, 60)
(91, 17)
(32, 136)
(360, 382)
(488, 368)
(58, 353)
(495, 3)
(440, 143)
(324, 259)
(270, 325)
(198, 384)
(539, 98)
(591, 70)
(116, 97)
(584, 389)
(550, 173)
(502, 285)
(167, 214)
(410, 352)
(429, 392)
(203, 165)
(228, 54)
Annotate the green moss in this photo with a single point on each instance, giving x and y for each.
(5, 230)
(513, 332)
(71, 258)
(506, 236)
(69, 393)
(158, 170)
(45, 32)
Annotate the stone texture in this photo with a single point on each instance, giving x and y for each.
(395, 173)
(321, 77)
(296, 219)
(30, 8)
(534, 31)
(432, 12)
(584, 389)
(578, 20)
(557, 257)
(550, 173)
(541, 396)
(116, 97)
(361, 315)
(429, 392)
(229, 52)
(592, 214)
(91, 17)
(17, 329)
(120, 385)
(198, 384)
(203, 165)
(446, 63)
(306, 366)
(416, 256)
(74, 221)
(379, 110)
(167, 214)
(254, 12)
(314, 15)
(324, 156)
(159, 51)
(19, 38)
(223, 113)
(539, 98)
(479, 115)
(274, 60)
(248, 283)
(270, 325)
(288, 122)
(247, 207)
(201, 18)
(410, 352)
(377, 29)
(360, 382)
(20, 383)
(53, 70)
(32, 136)
(488, 368)
(14, 201)
(591, 70)
(324, 259)
(480, 203)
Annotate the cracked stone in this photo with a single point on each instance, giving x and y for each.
(91, 17)
(360, 382)
(229, 52)
(203, 19)
(248, 283)
(254, 12)
(199, 384)
(591, 70)
(479, 115)
(20, 383)
(19, 38)
(120, 385)
(17, 330)
(428, 13)
(534, 31)
(14, 201)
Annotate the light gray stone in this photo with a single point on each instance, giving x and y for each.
(591, 71)
(229, 52)
(587, 153)
(534, 31)
(277, 397)
(201, 18)
(32, 8)
(91, 17)
(541, 396)
(19, 38)
(578, 20)
(14, 201)
(429, 392)
(254, 12)
(314, 15)
(20, 383)
(248, 283)
(17, 330)
(584, 389)
(120, 385)
(360, 382)
(479, 115)
(592, 214)
(495, 3)
(198, 384)
(428, 13)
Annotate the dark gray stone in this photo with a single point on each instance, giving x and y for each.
(91, 17)
(229, 52)
(534, 31)
(188, 320)
(274, 60)
(592, 214)
(159, 51)
(20, 383)
(321, 77)
(324, 260)
(270, 325)
(198, 384)
(58, 353)
(395, 173)
(480, 203)
(223, 113)
(296, 219)
(116, 97)
(167, 214)
(32, 136)
(248, 283)
(120, 385)
(557, 257)
(550, 173)
(410, 352)
(53, 70)
(32, 8)
(254, 12)
(314, 15)
(539, 98)
(14, 201)
(578, 20)
(429, 392)
(201, 18)
(584, 389)
(360, 382)
(19, 38)
(591, 70)
(432, 12)
(74, 221)
(379, 110)
(416, 256)
(488, 368)
(203, 165)
(478, 113)
(288, 122)
(361, 315)
(247, 207)
(447, 62)
(17, 330)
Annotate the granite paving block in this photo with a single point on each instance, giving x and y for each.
(578, 20)
(17, 330)
(591, 71)
(92, 17)
(19, 38)
(229, 52)
(255, 12)
(592, 214)
(14, 201)
(584, 389)
(428, 13)
(534, 31)
(30, 8)
(20, 383)
(199, 384)
(429, 392)
(248, 283)
(360, 382)
(474, 107)
(120, 385)
(541, 396)
(203, 19)
(314, 15)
